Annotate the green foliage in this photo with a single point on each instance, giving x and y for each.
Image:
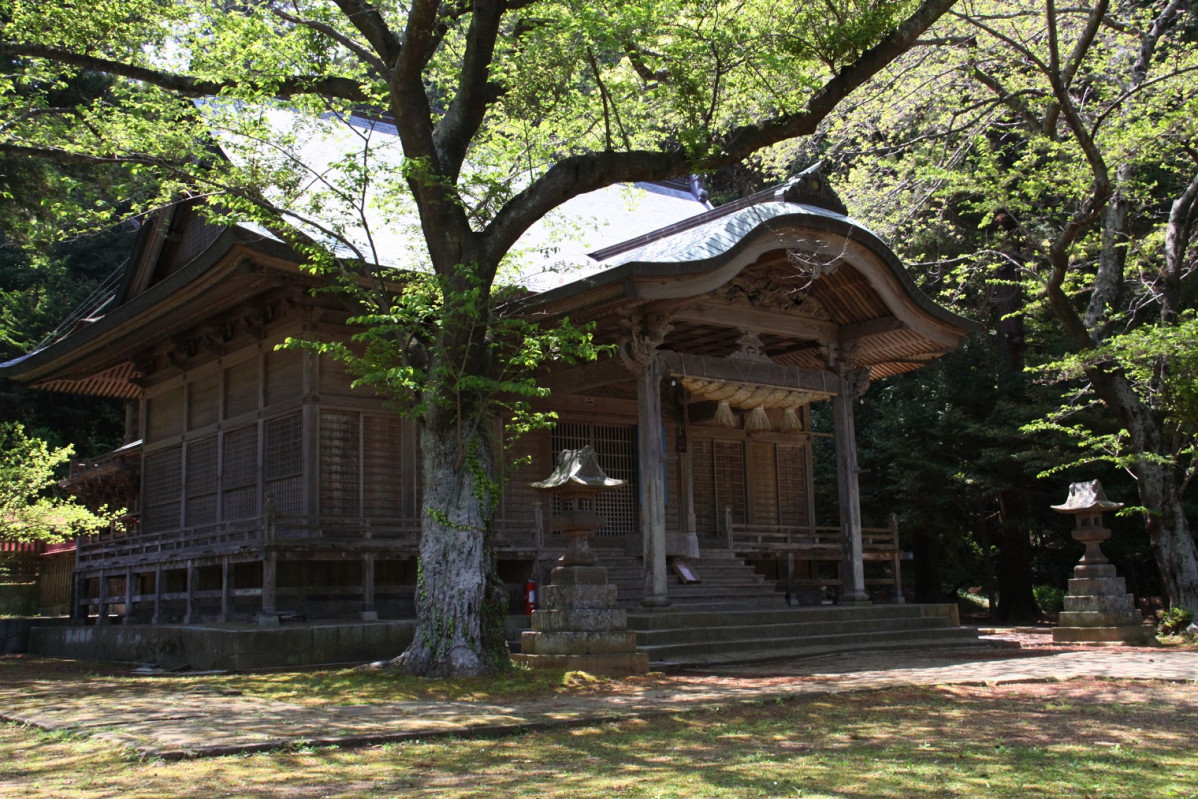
(503, 112)
(1049, 598)
(30, 510)
(1054, 196)
(1173, 621)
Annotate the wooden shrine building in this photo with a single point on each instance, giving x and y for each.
(259, 482)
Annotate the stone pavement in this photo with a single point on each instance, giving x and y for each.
(176, 724)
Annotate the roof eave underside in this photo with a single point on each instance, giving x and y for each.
(95, 360)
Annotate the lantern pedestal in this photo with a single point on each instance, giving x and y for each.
(1098, 608)
(578, 626)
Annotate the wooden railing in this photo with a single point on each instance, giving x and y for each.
(400, 533)
(816, 542)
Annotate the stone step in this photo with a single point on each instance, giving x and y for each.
(715, 617)
(667, 657)
(793, 630)
(697, 635)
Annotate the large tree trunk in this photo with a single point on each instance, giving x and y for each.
(458, 606)
(460, 603)
(1168, 529)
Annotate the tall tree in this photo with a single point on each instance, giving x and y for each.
(1072, 135)
(505, 110)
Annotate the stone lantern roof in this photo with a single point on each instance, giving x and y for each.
(1088, 498)
(578, 468)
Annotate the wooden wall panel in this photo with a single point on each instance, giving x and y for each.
(203, 394)
(340, 458)
(164, 415)
(335, 380)
(762, 483)
(284, 376)
(241, 388)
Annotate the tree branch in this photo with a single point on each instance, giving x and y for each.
(370, 23)
(474, 95)
(329, 31)
(579, 174)
(1177, 239)
(185, 85)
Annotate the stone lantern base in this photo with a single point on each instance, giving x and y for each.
(1098, 609)
(580, 628)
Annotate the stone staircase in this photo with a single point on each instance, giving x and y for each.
(678, 636)
(726, 580)
(735, 615)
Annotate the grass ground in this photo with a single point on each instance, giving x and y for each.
(1084, 739)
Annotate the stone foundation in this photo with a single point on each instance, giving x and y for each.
(580, 629)
(1098, 609)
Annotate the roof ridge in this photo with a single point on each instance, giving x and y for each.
(808, 187)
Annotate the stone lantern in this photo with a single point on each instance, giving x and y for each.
(578, 626)
(1097, 607)
(576, 482)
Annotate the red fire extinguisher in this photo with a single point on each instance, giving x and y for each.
(530, 596)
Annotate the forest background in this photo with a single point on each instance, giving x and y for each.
(1035, 167)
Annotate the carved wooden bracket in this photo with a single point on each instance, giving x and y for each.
(750, 348)
(856, 382)
(645, 333)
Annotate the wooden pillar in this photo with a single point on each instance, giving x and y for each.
(192, 612)
(898, 597)
(157, 617)
(652, 479)
(852, 569)
(269, 613)
(369, 611)
(225, 588)
(102, 600)
(76, 614)
(128, 619)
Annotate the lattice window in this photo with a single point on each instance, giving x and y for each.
(340, 458)
(202, 483)
(241, 388)
(729, 470)
(762, 483)
(615, 446)
(162, 496)
(283, 462)
(239, 474)
(793, 499)
(707, 517)
(382, 465)
(518, 496)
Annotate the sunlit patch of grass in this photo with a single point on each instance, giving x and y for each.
(1081, 738)
(350, 686)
